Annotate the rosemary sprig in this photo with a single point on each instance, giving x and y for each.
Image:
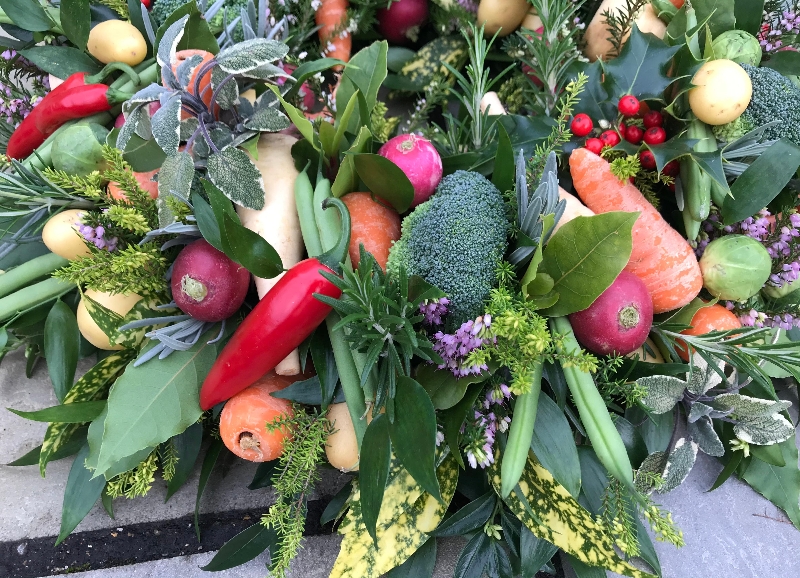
(620, 22)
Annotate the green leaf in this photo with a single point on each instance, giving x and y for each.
(444, 388)
(780, 485)
(749, 14)
(413, 434)
(337, 503)
(718, 14)
(633, 440)
(642, 67)
(419, 565)
(263, 476)
(324, 365)
(233, 173)
(243, 547)
(342, 121)
(786, 62)
(365, 72)
(453, 418)
(554, 445)
(79, 412)
(187, 447)
(307, 392)
(471, 517)
(61, 61)
(75, 20)
(135, 15)
(61, 344)
(326, 135)
(196, 33)
(526, 132)
(594, 100)
(251, 250)
(770, 454)
(585, 256)
(670, 150)
(228, 95)
(376, 455)
(206, 220)
(306, 71)
(69, 448)
(734, 459)
(584, 570)
(474, 557)
(762, 181)
(27, 14)
(346, 178)
(385, 179)
(174, 179)
(143, 155)
(209, 461)
(155, 401)
(535, 553)
(80, 495)
(264, 119)
(504, 171)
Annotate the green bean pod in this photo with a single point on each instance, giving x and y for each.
(696, 182)
(520, 433)
(20, 276)
(32, 296)
(592, 409)
(304, 200)
(328, 224)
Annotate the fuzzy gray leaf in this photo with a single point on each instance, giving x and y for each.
(764, 430)
(131, 123)
(229, 95)
(174, 178)
(166, 123)
(699, 410)
(234, 174)
(652, 464)
(144, 128)
(744, 406)
(150, 93)
(703, 377)
(267, 119)
(186, 68)
(250, 54)
(679, 464)
(188, 127)
(702, 432)
(663, 392)
(267, 71)
(169, 42)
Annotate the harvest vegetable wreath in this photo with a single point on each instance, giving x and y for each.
(514, 312)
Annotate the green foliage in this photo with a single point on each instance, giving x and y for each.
(735, 129)
(383, 127)
(136, 482)
(455, 241)
(303, 450)
(619, 23)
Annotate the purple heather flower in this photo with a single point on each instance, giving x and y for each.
(434, 310)
(96, 235)
(454, 348)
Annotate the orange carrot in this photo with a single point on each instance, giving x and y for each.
(145, 181)
(332, 17)
(243, 421)
(661, 257)
(374, 224)
(205, 91)
(706, 320)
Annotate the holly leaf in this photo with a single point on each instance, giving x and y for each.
(233, 173)
(595, 99)
(642, 67)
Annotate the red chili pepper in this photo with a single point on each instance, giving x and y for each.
(146, 3)
(34, 130)
(279, 323)
(80, 102)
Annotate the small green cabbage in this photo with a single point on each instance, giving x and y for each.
(79, 149)
(735, 267)
(739, 46)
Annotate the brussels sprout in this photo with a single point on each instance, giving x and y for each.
(739, 46)
(782, 291)
(735, 267)
(79, 149)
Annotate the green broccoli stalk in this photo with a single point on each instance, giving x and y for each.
(455, 241)
(774, 97)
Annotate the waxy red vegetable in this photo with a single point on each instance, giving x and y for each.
(279, 323)
(79, 96)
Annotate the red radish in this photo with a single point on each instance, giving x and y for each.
(619, 320)
(634, 135)
(653, 118)
(400, 22)
(581, 125)
(206, 284)
(628, 105)
(647, 160)
(595, 145)
(419, 160)
(610, 138)
(655, 135)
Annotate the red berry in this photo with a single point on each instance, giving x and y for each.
(647, 160)
(631, 180)
(653, 118)
(634, 135)
(610, 138)
(672, 168)
(655, 135)
(581, 125)
(628, 105)
(595, 145)
(671, 187)
(622, 128)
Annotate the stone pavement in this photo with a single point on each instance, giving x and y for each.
(731, 533)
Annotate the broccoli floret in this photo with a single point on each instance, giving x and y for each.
(455, 241)
(163, 8)
(775, 97)
(735, 129)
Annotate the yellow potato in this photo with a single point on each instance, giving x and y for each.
(504, 16)
(60, 235)
(342, 446)
(119, 303)
(648, 356)
(117, 41)
(722, 92)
